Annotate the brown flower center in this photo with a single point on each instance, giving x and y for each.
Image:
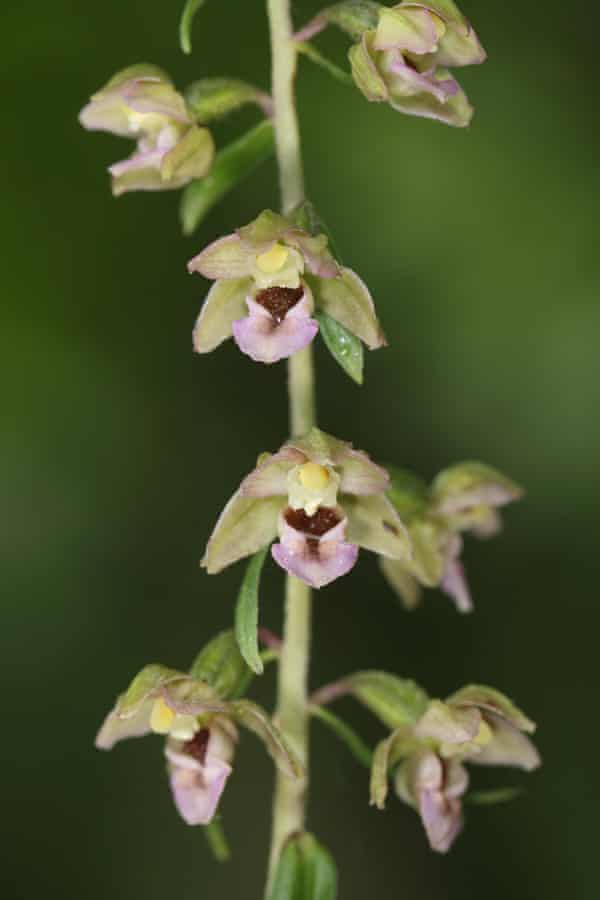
(279, 300)
(198, 745)
(315, 526)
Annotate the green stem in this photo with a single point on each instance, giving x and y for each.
(289, 805)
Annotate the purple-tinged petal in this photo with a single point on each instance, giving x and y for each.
(315, 560)
(317, 257)
(270, 478)
(197, 791)
(454, 583)
(442, 819)
(470, 485)
(413, 29)
(455, 110)
(507, 747)
(359, 475)
(227, 257)
(404, 81)
(225, 302)
(267, 341)
(493, 701)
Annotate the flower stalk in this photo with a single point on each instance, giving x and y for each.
(289, 805)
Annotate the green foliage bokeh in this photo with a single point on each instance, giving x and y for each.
(120, 447)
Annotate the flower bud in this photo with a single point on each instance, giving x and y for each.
(141, 103)
(403, 60)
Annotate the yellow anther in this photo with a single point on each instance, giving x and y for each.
(273, 260)
(484, 735)
(161, 717)
(313, 476)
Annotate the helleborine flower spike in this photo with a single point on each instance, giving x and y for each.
(270, 276)
(193, 711)
(323, 498)
(403, 60)
(477, 725)
(463, 498)
(141, 103)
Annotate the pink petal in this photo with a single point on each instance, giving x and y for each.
(261, 338)
(441, 818)
(316, 561)
(197, 790)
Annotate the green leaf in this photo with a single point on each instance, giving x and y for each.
(491, 797)
(213, 98)
(305, 871)
(246, 612)
(217, 841)
(185, 24)
(221, 665)
(346, 348)
(396, 701)
(255, 719)
(315, 56)
(346, 734)
(234, 163)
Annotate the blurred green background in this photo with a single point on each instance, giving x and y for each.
(120, 447)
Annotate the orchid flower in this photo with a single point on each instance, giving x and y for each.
(477, 726)
(323, 498)
(464, 498)
(270, 278)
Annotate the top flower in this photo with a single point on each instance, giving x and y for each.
(140, 102)
(403, 60)
(269, 277)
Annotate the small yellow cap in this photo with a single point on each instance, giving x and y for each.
(273, 260)
(313, 476)
(161, 717)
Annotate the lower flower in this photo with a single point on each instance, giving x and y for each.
(199, 769)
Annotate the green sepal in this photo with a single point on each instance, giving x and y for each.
(493, 701)
(191, 157)
(472, 483)
(138, 70)
(345, 347)
(217, 840)
(399, 744)
(255, 719)
(244, 527)
(246, 612)
(402, 582)
(395, 701)
(305, 871)
(316, 57)
(353, 16)
(185, 23)
(221, 665)
(364, 71)
(214, 98)
(148, 682)
(231, 166)
(408, 492)
(347, 300)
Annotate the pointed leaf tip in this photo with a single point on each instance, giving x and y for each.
(345, 347)
(246, 613)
